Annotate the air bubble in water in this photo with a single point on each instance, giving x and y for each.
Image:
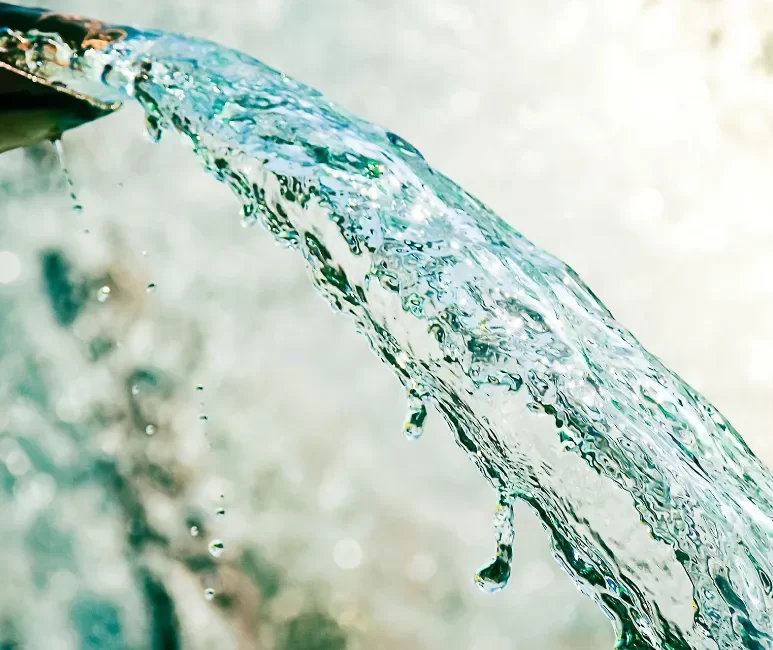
(220, 513)
(103, 294)
(150, 429)
(216, 548)
(495, 575)
(194, 531)
(151, 287)
(203, 417)
(135, 390)
(199, 387)
(209, 594)
(417, 414)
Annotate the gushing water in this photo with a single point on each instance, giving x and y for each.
(654, 504)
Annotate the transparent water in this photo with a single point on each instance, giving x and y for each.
(654, 504)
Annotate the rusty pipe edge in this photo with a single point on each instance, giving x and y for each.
(33, 109)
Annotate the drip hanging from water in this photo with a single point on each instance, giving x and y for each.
(495, 575)
(153, 129)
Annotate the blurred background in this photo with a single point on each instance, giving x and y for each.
(632, 138)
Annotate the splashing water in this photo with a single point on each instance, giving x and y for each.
(654, 504)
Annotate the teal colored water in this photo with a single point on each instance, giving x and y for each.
(654, 504)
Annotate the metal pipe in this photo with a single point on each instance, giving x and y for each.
(32, 109)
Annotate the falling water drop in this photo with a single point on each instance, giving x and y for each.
(59, 148)
(150, 429)
(216, 548)
(209, 594)
(417, 414)
(194, 531)
(495, 575)
(103, 294)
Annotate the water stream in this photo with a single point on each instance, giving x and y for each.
(655, 505)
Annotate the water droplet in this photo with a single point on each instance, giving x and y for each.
(417, 414)
(103, 295)
(216, 548)
(150, 429)
(495, 575)
(151, 287)
(135, 390)
(220, 513)
(209, 594)
(194, 531)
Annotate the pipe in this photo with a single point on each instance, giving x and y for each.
(32, 109)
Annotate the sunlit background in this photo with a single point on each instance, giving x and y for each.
(634, 139)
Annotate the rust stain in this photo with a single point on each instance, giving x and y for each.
(98, 34)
